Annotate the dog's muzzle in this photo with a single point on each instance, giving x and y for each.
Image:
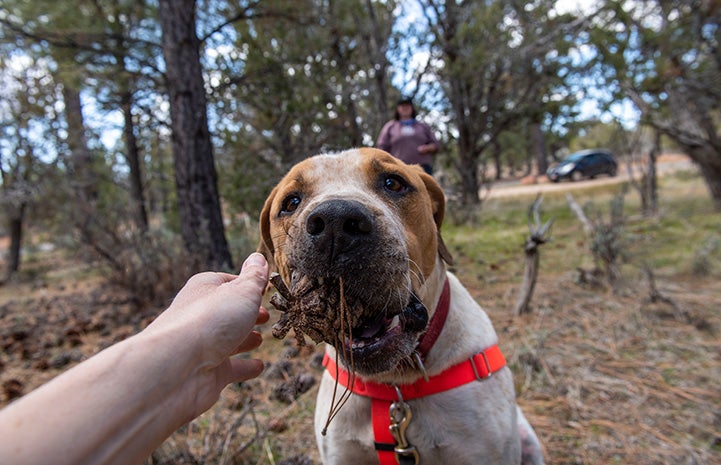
(344, 241)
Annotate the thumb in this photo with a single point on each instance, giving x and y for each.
(254, 270)
(248, 286)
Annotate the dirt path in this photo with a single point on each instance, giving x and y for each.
(667, 163)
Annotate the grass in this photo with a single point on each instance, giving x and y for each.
(603, 377)
(670, 242)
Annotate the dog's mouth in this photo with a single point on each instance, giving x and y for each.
(370, 335)
(381, 333)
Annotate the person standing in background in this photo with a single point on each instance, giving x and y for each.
(408, 139)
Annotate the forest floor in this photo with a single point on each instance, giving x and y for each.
(604, 377)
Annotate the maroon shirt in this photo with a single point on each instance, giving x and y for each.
(402, 138)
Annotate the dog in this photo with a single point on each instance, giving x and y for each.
(416, 376)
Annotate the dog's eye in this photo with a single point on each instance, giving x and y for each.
(290, 204)
(394, 183)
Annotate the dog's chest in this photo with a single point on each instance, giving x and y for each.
(473, 424)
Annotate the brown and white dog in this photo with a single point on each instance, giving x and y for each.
(428, 380)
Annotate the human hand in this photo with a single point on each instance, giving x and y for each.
(119, 405)
(213, 316)
(427, 148)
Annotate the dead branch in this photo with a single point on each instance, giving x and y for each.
(605, 237)
(537, 237)
(654, 295)
(588, 225)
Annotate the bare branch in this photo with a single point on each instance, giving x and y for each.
(588, 225)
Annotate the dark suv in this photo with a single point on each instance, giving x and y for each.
(584, 164)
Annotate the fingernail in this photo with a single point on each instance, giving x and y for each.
(255, 259)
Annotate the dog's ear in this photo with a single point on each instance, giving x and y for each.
(265, 246)
(438, 201)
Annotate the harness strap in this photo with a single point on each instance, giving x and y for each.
(476, 368)
(384, 441)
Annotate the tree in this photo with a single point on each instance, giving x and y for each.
(305, 76)
(87, 51)
(289, 79)
(498, 60)
(642, 150)
(27, 104)
(195, 175)
(664, 56)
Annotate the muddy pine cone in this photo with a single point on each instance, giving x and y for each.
(309, 307)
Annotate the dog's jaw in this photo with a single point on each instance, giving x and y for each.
(384, 316)
(347, 220)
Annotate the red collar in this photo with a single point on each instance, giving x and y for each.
(436, 325)
(476, 368)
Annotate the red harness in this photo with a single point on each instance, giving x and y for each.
(383, 396)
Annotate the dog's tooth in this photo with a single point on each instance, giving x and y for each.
(395, 322)
(294, 278)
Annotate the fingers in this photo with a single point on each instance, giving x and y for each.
(263, 316)
(253, 341)
(242, 370)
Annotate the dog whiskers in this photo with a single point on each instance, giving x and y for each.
(415, 272)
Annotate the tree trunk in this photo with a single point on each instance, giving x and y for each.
(375, 48)
(132, 156)
(467, 166)
(529, 151)
(355, 134)
(16, 237)
(539, 148)
(709, 162)
(84, 180)
(650, 185)
(530, 276)
(195, 175)
(497, 160)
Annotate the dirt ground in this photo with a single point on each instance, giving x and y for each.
(666, 163)
(603, 377)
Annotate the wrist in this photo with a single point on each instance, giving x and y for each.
(184, 371)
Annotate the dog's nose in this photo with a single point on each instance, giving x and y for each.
(338, 226)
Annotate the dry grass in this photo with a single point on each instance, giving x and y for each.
(603, 377)
(618, 380)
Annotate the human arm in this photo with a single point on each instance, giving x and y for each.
(430, 148)
(119, 405)
(431, 145)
